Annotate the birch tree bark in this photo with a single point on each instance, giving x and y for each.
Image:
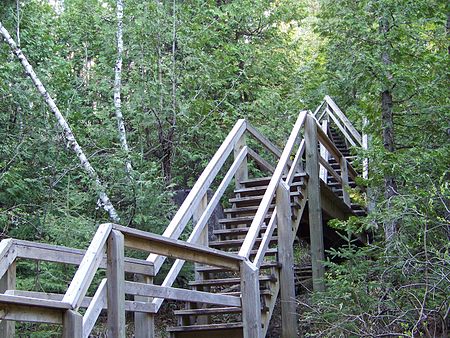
(104, 200)
(117, 89)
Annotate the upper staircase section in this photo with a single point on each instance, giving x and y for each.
(242, 271)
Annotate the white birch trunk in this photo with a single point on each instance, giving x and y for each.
(104, 200)
(118, 86)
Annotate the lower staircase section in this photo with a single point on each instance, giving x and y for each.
(200, 320)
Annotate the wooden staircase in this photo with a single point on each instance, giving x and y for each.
(239, 273)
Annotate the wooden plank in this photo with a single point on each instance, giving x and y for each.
(33, 302)
(259, 258)
(96, 306)
(24, 313)
(343, 118)
(7, 282)
(88, 266)
(242, 172)
(262, 162)
(344, 176)
(264, 140)
(326, 165)
(341, 128)
(318, 109)
(144, 323)
(314, 204)
(251, 303)
(268, 196)
(65, 255)
(157, 291)
(116, 285)
(72, 324)
(324, 154)
(8, 254)
(145, 241)
(296, 165)
(184, 213)
(286, 259)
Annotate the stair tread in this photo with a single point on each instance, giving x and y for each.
(232, 280)
(264, 187)
(208, 311)
(233, 242)
(234, 230)
(268, 178)
(242, 219)
(205, 327)
(264, 265)
(258, 197)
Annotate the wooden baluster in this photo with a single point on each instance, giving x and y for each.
(116, 285)
(242, 173)
(286, 259)
(8, 282)
(144, 323)
(314, 204)
(344, 177)
(72, 324)
(250, 298)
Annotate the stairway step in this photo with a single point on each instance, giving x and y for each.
(241, 220)
(206, 327)
(253, 182)
(214, 269)
(261, 188)
(265, 292)
(235, 231)
(244, 211)
(255, 200)
(228, 281)
(208, 311)
(235, 242)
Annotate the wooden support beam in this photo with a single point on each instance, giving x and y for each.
(8, 282)
(314, 204)
(95, 308)
(286, 259)
(334, 107)
(242, 173)
(251, 302)
(144, 323)
(72, 324)
(324, 153)
(344, 177)
(262, 162)
(116, 285)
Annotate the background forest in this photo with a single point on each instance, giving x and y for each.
(151, 93)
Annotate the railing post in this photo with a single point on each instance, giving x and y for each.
(72, 324)
(242, 172)
(116, 285)
(286, 259)
(144, 323)
(344, 177)
(8, 282)
(251, 302)
(324, 153)
(314, 204)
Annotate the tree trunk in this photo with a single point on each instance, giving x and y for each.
(117, 89)
(387, 123)
(104, 200)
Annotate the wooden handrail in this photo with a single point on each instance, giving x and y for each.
(184, 213)
(260, 215)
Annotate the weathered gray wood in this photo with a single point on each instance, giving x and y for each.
(297, 163)
(259, 258)
(343, 118)
(183, 215)
(251, 303)
(88, 266)
(72, 324)
(242, 172)
(314, 205)
(144, 323)
(344, 177)
(330, 170)
(157, 291)
(8, 254)
(145, 241)
(98, 303)
(198, 228)
(324, 153)
(25, 313)
(116, 285)
(286, 259)
(61, 254)
(268, 195)
(8, 282)
(341, 128)
(264, 140)
(262, 162)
